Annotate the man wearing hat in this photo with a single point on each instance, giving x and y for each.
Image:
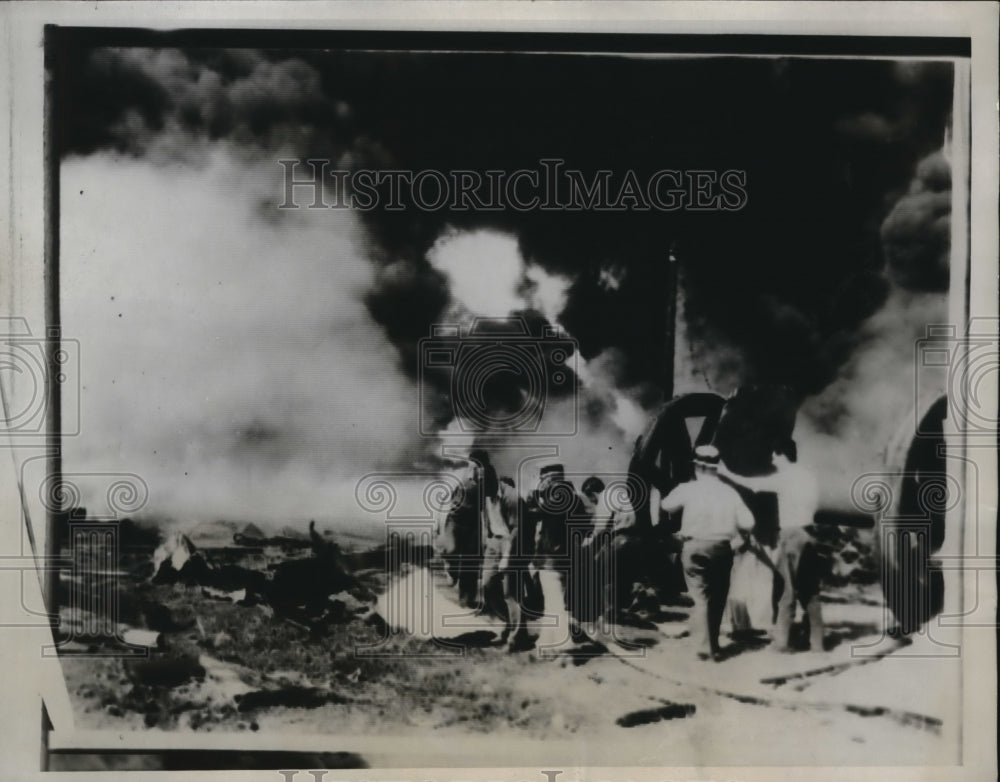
(713, 515)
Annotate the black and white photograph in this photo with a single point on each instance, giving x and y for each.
(480, 399)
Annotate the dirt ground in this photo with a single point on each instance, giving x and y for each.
(229, 664)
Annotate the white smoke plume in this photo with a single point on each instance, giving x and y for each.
(489, 277)
(226, 355)
(843, 431)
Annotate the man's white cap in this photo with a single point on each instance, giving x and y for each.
(707, 455)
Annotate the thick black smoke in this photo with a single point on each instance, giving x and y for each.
(829, 147)
(917, 232)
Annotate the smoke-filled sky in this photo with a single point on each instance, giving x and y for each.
(254, 363)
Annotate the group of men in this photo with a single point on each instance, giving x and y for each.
(553, 552)
(507, 554)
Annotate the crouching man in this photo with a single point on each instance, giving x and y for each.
(713, 514)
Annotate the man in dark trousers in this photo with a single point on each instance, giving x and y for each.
(465, 523)
(503, 575)
(713, 515)
(798, 560)
(551, 508)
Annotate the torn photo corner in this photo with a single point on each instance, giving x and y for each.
(478, 399)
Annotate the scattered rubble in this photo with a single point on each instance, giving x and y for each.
(177, 560)
(221, 640)
(237, 596)
(157, 616)
(250, 535)
(242, 633)
(166, 670)
(143, 638)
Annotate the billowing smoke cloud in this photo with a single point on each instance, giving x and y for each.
(228, 361)
(917, 233)
(794, 288)
(489, 278)
(166, 105)
(847, 426)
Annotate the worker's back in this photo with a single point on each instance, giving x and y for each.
(712, 509)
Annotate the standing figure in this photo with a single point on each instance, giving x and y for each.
(610, 557)
(798, 562)
(549, 510)
(713, 514)
(800, 558)
(587, 530)
(465, 527)
(503, 569)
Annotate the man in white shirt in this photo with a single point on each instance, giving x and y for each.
(713, 514)
(797, 559)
